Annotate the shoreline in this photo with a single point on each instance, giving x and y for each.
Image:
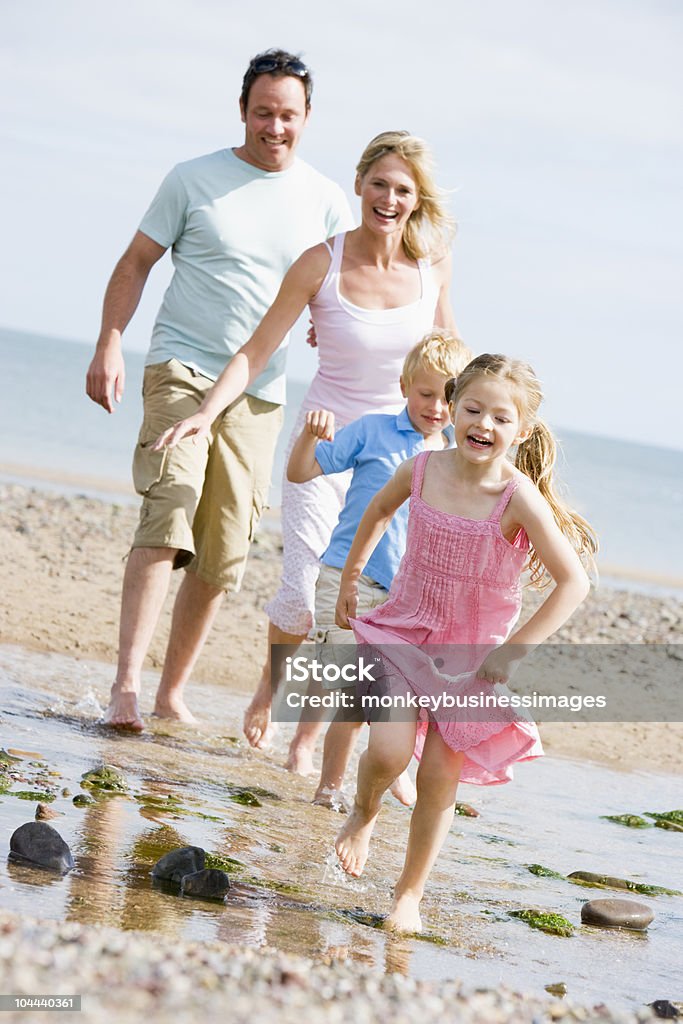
(112, 491)
(66, 555)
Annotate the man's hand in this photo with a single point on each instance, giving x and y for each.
(311, 336)
(347, 604)
(106, 373)
(320, 424)
(196, 426)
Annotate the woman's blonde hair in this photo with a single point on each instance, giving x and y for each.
(430, 227)
(536, 456)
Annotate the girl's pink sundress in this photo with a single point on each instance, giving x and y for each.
(456, 596)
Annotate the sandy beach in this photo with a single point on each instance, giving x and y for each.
(66, 556)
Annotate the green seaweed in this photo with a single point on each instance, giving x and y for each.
(543, 872)
(246, 797)
(590, 878)
(629, 820)
(670, 826)
(222, 863)
(105, 778)
(675, 817)
(33, 794)
(553, 924)
(6, 758)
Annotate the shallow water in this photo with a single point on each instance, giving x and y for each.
(286, 891)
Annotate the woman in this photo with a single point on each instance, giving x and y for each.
(372, 293)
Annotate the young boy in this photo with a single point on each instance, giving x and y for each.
(373, 447)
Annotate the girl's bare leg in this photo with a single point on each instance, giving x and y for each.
(258, 727)
(389, 751)
(437, 784)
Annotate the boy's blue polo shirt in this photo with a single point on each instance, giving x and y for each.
(373, 446)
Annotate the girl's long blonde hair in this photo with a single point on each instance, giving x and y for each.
(430, 227)
(536, 456)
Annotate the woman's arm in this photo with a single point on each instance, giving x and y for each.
(571, 583)
(376, 518)
(443, 316)
(301, 282)
(303, 465)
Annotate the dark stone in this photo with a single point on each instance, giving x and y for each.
(173, 866)
(106, 778)
(617, 914)
(209, 884)
(82, 800)
(665, 1009)
(38, 843)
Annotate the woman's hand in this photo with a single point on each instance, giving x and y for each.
(347, 604)
(320, 424)
(196, 426)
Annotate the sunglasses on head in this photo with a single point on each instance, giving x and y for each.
(293, 66)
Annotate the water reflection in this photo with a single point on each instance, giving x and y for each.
(185, 785)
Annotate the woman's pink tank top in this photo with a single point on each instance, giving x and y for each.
(361, 351)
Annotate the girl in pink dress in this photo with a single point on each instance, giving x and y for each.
(476, 520)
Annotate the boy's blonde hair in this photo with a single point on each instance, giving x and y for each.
(440, 351)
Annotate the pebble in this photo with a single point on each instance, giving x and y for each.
(209, 884)
(45, 813)
(41, 844)
(617, 914)
(176, 864)
(203, 981)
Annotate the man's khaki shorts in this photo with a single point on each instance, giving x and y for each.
(203, 498)
(325, 631)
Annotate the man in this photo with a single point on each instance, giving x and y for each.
(235, 220)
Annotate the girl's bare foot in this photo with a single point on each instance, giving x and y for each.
(353, 841)
(123, 712)
(403, 788)
(175, 708)
(405, 914)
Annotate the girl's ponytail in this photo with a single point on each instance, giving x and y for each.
(536, 458)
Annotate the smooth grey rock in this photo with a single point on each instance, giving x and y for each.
(209, 884)
(38, 843)
(173, 866)
(617, 914)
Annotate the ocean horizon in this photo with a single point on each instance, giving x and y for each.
(51, 435)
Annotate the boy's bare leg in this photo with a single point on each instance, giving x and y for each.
(196, 605)
(301, 749)
(145, 585)
(258, 727)
(389, 750)
(340, 739)
(437, 784)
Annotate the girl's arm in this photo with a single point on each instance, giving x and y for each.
(571, 583)
(303, 465)
(376, 518)
(301, 282)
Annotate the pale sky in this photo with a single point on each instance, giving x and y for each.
(558, 126)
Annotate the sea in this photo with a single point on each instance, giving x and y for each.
(53, 436)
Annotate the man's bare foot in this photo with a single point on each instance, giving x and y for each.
(403, 788)
(175, 708)
(353, 841)
(123, 712)
(257, 726)
(300, 760)
(333, 799)
(404, 915)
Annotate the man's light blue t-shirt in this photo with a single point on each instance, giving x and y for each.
(235, 230)
(373, 446)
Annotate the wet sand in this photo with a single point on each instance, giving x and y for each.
(65, 558)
